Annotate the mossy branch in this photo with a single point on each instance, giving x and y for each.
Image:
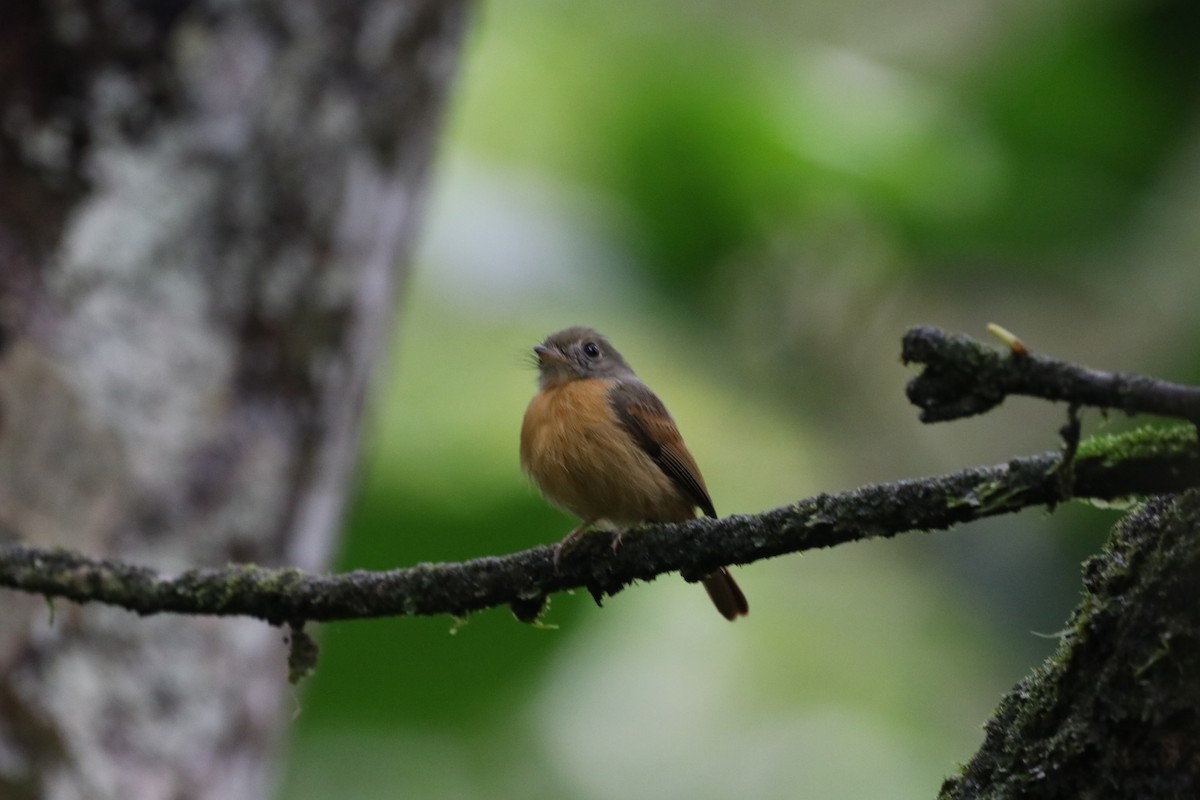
(1141, 463)
(1136, 464)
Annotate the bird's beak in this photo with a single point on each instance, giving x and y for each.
(548, 355)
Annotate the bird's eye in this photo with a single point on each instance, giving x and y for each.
(591, 350)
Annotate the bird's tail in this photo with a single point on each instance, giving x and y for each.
(726, 595)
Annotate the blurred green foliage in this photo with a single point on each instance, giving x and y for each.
(715, 142)
(1088, 113)
(754, 202)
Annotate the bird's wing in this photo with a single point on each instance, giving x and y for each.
(647, 420)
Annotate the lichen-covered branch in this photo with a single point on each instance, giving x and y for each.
(1145, 462)
(1114, 712)
(963, 377)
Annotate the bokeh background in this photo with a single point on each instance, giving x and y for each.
(754, 201)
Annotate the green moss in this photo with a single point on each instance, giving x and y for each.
(987, 497)
(1143, 442)
(1121, 683)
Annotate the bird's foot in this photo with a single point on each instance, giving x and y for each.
(569, 540)
(617, 536)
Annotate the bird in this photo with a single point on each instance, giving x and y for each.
(602, 446)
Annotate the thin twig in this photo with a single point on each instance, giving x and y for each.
(963, 377)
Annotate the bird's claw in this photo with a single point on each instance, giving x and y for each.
(567, 540)
(616, 539)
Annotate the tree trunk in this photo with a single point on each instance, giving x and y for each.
(203, 207)
(1115, 713)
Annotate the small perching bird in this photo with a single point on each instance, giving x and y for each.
(601, 445)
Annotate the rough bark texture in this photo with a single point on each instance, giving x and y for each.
(1140, 462)
(1116, 712)
(202, 208)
